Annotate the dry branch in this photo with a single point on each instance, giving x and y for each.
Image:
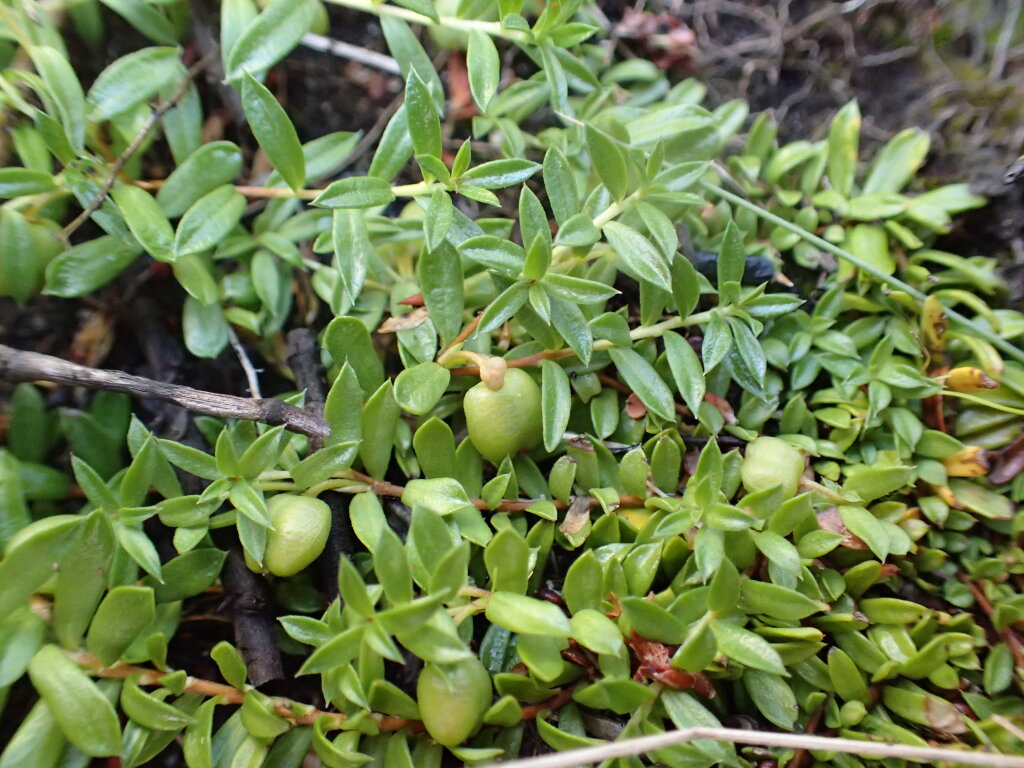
(19, 365)
(628, 747)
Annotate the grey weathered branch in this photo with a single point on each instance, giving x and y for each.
(19, 365)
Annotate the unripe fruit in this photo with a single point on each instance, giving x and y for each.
(770, 461)
(505, 421)
(453, 699)
(301, 525)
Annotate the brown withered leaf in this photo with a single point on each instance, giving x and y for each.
(723, 407)
(576, 516)
(654, 662)
(397, 323)
(1009, 462)
(94, 339)
(635, 408)
(830, 520)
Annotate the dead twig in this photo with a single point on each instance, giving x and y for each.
(19, 365)
(251, 377)
(351, 52)
(132, 148)
(637, 746)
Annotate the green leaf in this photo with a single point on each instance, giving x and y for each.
(346, 338)
(731, 260)
(843, 144)
(503, 307)
(556, 400)
(645, 382)
(773, 696)
(133, 79)
(204, 327)
(717, 341)
(572, 326)
(498, 174)
(596, 632)
(269, 38)
(421, 115)
(411, 58)
(355, 192)
(63, 86)
(229, 662)
(897, 162)
(437, 221)
(578, 230)
(82, 579)
(15, 182)
(379, 419)
(686, 370)
(197, 741)
(146, 221)
(187, 575)
(778, 602)
(146, 19)
(652, 621)
(576, 289)
(326, 462)
(609, 161)
(342, 409)
(88, 266)
(638, 256)
(495, 253)
(123, 614)
(749, 350)
(206, 169)
(31, 557)
(440, 495)
(394, 148)
(507, 559)
(274, 132)
(208, 220)
(85, 716)
(418, 389)
(526, 615)
(353, 250)
(560, 184)
(747, 648)
(149, 711)
(484, 68)
(440, 275)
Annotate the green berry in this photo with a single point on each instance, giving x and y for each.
(301, 525)
(505, 421)
(770, 461)
(453, 699)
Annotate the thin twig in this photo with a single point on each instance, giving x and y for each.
(597, 754)
(1002, 48)
(352, 52)
(132, 148)
(251, 377)
(19, 365)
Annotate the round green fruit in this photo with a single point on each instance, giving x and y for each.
(770, 461)
(301, 525)
(453, 699)
(505, 421)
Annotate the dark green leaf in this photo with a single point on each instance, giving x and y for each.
(356, 192)
(639, 257)
(270, 37)
(273, 130)
(609, 161)
(645, 382)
